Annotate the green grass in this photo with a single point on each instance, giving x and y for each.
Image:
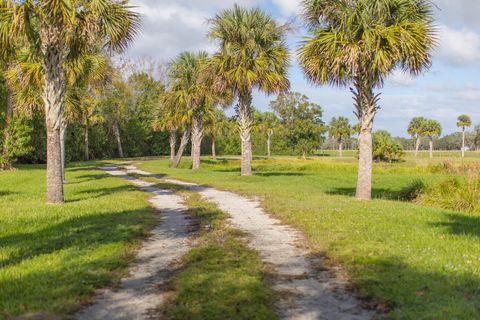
(220, 277)
(422, 262)
(52, 258)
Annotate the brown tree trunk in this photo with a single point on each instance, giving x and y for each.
(116, 132)
(214, 151)
(7, 165)
(245, 123)
(53, 97)
(463, 143)
(197, 136)
(63, 136)
(340, 149)
(366, 108)
(431, 147)
(417, 146)
(181, 148)
(85, 141)
(173, 143)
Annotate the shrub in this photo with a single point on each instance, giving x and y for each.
(385, 148)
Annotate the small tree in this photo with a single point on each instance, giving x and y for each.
(267, 123)
(385, 148)
(415, 130)
(476, 137)
(340, 130)
(463, 122)
(302, 122)
(431, 129)
(16, 140)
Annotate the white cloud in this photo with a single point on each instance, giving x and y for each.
(288, 7)
(459, 47)
(401, 79)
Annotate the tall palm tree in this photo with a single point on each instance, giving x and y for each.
(415, 131)
(360, 43)
(463, 122)
(341, 130)
(431, 129)
(252, 55)
(58, 31)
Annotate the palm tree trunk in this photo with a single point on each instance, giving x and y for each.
(417, 146)
(116, 132)
(85, 141)
(173, 143)
(269, 153)
(63, 136)
(340, 149)
(463, 143)
(181, 148)
(197, 136)
(245, 122)
(431, 147)
(6, 164)
(214, 149)
(366, 108)
(53, 97)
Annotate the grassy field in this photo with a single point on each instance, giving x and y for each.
(421, 262)
(53, 257)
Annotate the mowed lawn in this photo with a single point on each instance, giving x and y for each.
(53, 257)
(419, 262)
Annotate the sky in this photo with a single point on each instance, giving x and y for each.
(450, 88)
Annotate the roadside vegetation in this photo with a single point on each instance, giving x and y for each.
(417, 261)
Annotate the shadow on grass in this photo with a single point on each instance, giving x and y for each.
(101, 192)
(410, 293)
(83, 232)
(377, 193)
(7, 193)
(462, 225)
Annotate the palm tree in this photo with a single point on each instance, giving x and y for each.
(341, 130)
(431, 129)
(361, 42)
(252, 55)
(464, 121)
(415, 130)
(58, 31)
(214, 127)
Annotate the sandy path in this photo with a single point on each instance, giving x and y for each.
(141, 292)
(306, 292)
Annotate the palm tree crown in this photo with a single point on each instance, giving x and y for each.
(464, 121)
(252, 53)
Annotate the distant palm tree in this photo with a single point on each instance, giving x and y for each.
(58, 31)
(340, 130)
(431, 129)
(253, 55)
(415, 131)
(361, 42)
(464, 121)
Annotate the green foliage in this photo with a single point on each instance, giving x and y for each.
(340, 129)
(464, 121)
(16, 141)
(415, 127)
(385, 148)
(431, 128)
(302, 126)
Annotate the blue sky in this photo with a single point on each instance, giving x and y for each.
(450, 88)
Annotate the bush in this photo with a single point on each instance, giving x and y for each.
(453, 194)
(385, 148)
